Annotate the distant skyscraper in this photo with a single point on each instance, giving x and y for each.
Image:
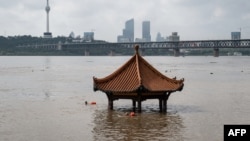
(47, 34)
(235, 35)
(174, 37)
(146, 31)
(128, 32)
(88, 36)
(159, 38)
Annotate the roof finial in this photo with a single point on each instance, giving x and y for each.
(137, 49)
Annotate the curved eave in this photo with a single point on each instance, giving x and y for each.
(140, 89)
(180, 88)
(115, 91)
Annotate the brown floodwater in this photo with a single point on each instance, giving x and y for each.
(43, 99)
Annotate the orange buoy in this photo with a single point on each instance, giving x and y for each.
(93, 103)
(132, 114)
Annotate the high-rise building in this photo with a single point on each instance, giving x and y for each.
(146, 31)
(159, 38)
(128, 32)
(47, 34)
(174, 37)
(88, 36)
(235, 35)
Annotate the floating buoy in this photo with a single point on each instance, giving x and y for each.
(132, 114)
(93, 103)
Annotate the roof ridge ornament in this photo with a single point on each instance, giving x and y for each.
(137, 49)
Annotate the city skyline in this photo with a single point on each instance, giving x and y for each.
(192, 19)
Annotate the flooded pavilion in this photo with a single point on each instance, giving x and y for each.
(138, 80)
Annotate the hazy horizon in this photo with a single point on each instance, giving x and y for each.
(192, 19)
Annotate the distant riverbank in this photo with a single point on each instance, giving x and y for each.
(9, 47)
(105, 52)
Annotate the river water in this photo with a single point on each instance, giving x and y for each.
(43, 99)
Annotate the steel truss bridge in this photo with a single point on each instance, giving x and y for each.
(175, 45)
(168, 44)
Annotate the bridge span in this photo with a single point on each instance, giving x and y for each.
(174, 45)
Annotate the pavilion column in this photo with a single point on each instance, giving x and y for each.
(139, 105)
(110, 104)
(164, 106)
(139, 102)
(165, 100)
(134, 105)
(160, 105)
(164, 103)
(110, 99)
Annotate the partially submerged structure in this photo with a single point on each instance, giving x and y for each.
(138, 80)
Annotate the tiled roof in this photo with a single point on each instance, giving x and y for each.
(137, 74)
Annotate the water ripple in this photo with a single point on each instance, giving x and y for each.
(116, 125)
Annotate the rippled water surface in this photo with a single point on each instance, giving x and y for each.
(43, 99)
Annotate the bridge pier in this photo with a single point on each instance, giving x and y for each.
(112, 52)
(59, 46)
(142, 52)
(176, 52)
(86, 52)
(216, 52)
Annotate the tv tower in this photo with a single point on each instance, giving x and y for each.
(47, 34)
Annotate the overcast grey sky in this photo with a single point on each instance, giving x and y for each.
(192, 19)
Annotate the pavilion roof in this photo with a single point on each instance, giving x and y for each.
(137, 74)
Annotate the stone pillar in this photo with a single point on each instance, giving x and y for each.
(176, 52)
(216, 52)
